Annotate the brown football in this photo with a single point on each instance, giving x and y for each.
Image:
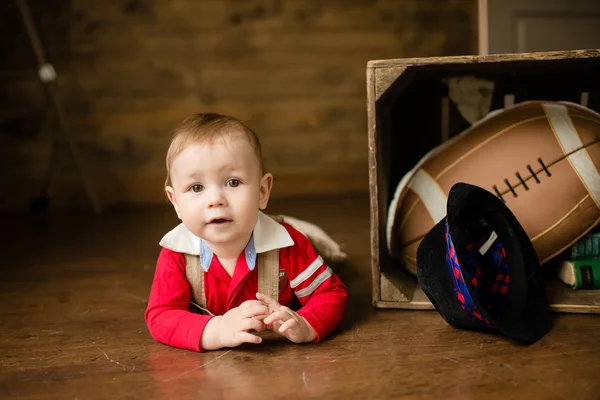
(541, 158)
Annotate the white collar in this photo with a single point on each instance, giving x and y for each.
(268, 235)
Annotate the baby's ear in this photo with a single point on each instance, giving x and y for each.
(266, 183)
(171, 196)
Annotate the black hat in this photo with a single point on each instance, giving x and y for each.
(479, 269)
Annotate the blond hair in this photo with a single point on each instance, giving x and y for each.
(200, 128)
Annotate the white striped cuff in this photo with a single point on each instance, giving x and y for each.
(315, 284)
(307, 272)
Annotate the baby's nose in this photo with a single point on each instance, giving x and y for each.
(216, 197)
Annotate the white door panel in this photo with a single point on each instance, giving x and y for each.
(513, 26)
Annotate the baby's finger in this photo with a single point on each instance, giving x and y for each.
(276, 316)
(260, 317)
(273, 304)
(258, 310)
(250, 303)
(288, 311)
(252, 323)
(289, 324)
(275, 326)
(245, 337)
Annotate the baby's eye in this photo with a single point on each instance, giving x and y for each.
(233, 182)
(196, 188)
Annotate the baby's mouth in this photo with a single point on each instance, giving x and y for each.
(219, 221)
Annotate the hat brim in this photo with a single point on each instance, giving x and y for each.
(525, 317)
(435, 281)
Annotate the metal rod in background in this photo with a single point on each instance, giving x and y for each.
(47, 76)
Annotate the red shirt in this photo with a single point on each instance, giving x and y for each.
(308, 282)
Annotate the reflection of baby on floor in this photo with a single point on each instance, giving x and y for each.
(187, 376)
(216, 183)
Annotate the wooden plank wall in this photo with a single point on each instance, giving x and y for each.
(130, 70)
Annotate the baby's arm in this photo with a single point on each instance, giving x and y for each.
(231, 329)
(167, 315)
(322, 294)
(287, 322)
(324, 309)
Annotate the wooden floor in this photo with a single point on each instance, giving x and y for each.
(73, 289)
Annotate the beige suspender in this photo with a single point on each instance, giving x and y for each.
(195, 276)
(268, 277)
(268, 273)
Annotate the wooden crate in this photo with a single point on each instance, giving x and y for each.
(409, 114)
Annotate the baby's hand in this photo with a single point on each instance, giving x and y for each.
(287, 322)
(235, 324)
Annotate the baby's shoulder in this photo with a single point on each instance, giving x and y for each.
(299, 238)
(171, 258)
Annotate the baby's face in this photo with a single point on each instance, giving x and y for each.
(218, 189)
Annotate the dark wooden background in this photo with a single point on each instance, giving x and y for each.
(74, 285)
(130, 70)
